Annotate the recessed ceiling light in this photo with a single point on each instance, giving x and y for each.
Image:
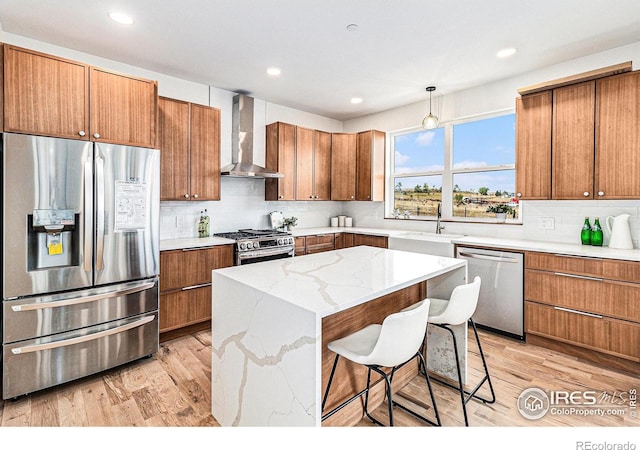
(273, 71)
(356, 100)
(121, 17)
(352, 27)
(506, 52)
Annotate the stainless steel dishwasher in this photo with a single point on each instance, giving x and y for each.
(501, 303)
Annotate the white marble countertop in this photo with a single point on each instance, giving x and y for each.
(326, 230)
(337, 280)
(176, 244)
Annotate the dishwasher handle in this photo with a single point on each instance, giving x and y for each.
(489, 257)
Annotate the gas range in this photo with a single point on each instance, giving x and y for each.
(260, 245)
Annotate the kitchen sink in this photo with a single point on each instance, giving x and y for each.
(429, 243)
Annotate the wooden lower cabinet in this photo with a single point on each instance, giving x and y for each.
(584, 303)
(346, 240)
(185, 284)
(320, 243)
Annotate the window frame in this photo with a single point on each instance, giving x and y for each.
(447, 173)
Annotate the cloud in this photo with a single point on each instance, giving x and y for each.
(425, 139)
(400, 159)
(422, 169)
(469, 164)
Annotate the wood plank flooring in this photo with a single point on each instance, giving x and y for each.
(173, 389)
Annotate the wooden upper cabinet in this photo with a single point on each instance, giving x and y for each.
(343, 166)
(123, 109)
(618, 137)
(189, 142)
(175, 152)
(573, 141)
(533, 146)
(313, 164)
(205, 153)
(281, 157)
(45, 95)
(370, 166)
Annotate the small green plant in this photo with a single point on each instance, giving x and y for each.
(290, 222)
(500, 208)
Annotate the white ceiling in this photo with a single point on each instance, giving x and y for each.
(400, 46)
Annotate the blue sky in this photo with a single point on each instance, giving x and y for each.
(482, 143)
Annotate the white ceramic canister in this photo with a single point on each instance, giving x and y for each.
(334, 221)
(341, 220)
(348, 221)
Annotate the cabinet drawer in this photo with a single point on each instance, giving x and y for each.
(600, 296)
(300, 245)
(185, 268)
(611, 336)
(182, 308)
(372, 241)
(621, 270)
(564, 263)
(320, 243)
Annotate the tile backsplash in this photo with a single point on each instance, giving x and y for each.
(243, 206)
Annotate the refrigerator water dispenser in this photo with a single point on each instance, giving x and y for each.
(53, 239)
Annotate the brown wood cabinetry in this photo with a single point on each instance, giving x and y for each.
(45, 95)
(346, 240)
(533, 146)
(185, 284)
(313, 164)
(189, 142)
(370, 166)
(51, 96)
(617, 170)
(317, 243)
(588, 303)
(343, 166)
(281, 157)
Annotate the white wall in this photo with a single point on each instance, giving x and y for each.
(243, 205)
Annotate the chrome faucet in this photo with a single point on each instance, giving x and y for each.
(439, 227)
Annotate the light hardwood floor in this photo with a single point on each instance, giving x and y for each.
(173, 389)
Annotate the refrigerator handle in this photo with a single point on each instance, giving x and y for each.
(99, 213)
(81, 339)
(88, 213)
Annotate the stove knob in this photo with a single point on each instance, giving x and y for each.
(242, 246)
(280, 242)
(290, 240)
(256, 244)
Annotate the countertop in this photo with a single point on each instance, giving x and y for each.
(337, 280)
(509, 244)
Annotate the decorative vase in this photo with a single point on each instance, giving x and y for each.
(501, 217)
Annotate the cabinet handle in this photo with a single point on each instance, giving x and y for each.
(81, 133)
(352, 197)
(195, 195)
(562, 255)
(600, 193)
(585, 193)
(186, 195)
(188, 288)
(280, 196)
(194, 249)
(96, 135)
(311, 196)
(582, 313)
(519, 194)
(582, 277)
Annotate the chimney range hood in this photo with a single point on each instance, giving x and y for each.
(242, 143)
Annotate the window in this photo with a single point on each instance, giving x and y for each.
(467, 166)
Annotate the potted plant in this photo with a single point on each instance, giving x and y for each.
(289, 222)
(500, 210)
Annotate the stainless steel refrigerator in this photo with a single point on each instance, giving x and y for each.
(80, 249)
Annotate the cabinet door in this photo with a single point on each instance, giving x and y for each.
(322, 165)
(192, 267)
(533, 146)
(343, 166)
(618, 136)
(174, 145)
(320, 243)
(182, 308)
(45, 95)
(304, 164)
(281, 157)
(205, 153)
(300, 245)
(573, 141)
(370, 166)
(123, 109)
(372, 241)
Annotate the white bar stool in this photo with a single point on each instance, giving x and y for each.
(393, 344)
(456, 311)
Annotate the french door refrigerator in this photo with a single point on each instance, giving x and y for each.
(80, 249)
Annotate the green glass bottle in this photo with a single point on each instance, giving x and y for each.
(585, 235)
(596, 233)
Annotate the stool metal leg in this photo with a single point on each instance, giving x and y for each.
(326, 392)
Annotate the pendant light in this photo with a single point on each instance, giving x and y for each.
(429, 122)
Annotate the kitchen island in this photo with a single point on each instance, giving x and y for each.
(272, 320)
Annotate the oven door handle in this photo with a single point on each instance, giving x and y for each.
(79, 300)
(260, 253)
(81, 339)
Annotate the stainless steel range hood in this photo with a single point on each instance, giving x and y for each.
(242, 143)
